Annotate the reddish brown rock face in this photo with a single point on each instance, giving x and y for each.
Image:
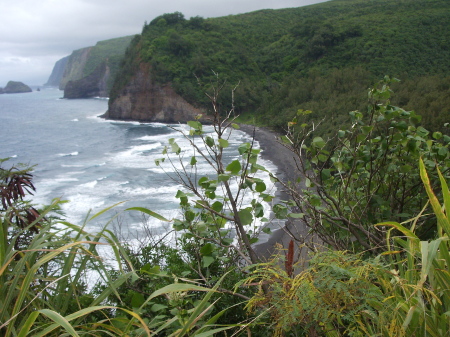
(144, 100)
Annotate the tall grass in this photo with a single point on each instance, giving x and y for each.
(43, 287)
(417, 286)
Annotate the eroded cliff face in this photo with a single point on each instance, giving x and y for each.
(144, 100)
(93, 85)
(74, 68)
(58, 72)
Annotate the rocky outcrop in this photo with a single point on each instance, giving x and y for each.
(93, 85)
(144, 100)
(57, 74)
(74, 69)
(16, 87)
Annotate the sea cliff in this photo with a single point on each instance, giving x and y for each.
(89, 71)
(94, 85)
(58, 72)
(142, 99)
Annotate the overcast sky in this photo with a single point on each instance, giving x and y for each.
(35, 34)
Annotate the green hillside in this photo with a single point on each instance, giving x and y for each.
(320, 57)
(111, 50)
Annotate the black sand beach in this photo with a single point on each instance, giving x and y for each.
(283, 158)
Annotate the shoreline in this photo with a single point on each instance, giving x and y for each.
(283, 159)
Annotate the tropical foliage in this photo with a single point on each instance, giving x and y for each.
(366, 173)
(208, 280)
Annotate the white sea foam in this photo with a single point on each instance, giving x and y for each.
(159, 192)
(75, 153)
(139, 156)
(75, 120)
(79, 204)
(158, 137)
(72, 165)
(90, 184)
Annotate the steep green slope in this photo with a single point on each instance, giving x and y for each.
(83, 62)
(319, 57)
(110, 50)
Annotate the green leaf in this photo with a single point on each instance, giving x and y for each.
(280, 211)
(174, 146)
(243, 148)
(193, 161)
(177, 287)
(223, 143)
(137, 300)
(207, 260)
(267, 230)
(60, 320)
(227, 241)
(207, 249)
(308, 182)
(195, 125)
(260, 186)
(253, 240)
(259, 210)
(437, 135)
(28, 324)
(318, 142)
(158, 307)
(246, 216)
(234, 167)
(223, 177)
(217, 206)
(209, 141)
(235, 126)
(149, 212)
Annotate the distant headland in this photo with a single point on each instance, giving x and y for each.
(13, 87)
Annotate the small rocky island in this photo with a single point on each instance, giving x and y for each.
(13, 87)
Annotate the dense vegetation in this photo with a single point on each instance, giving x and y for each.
(321, 57)
(375, 192)
(366, 279)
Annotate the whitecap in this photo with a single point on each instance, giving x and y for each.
(68, 154)
(75, 120)
(71, 165)
(158, 137)
(90, 184)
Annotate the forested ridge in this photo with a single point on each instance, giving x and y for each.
(321, 57)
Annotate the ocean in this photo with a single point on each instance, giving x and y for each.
(95, 163)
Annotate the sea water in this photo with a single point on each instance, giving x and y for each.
(96, 163)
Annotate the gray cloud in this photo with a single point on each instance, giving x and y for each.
(36, 34)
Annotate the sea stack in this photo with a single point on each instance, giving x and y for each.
(13, 87)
